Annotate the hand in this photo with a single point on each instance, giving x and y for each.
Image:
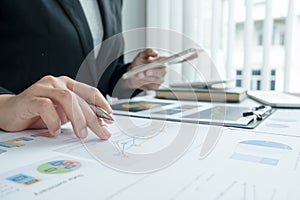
(150, 79)
(51, 102)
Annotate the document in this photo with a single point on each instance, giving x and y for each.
(32, 168)
(282, 122)
(138, 146)
(242, 166)
(55, 168)
(60, 177)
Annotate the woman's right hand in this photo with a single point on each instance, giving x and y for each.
(51, 102)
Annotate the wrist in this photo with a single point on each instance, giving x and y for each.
(4, 98)
(4, 110)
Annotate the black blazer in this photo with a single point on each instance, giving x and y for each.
(42, 37)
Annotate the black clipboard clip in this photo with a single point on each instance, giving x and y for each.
(258, 112)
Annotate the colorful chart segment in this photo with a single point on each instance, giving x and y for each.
(23, 179)
(59, 167)
(5, 145)
(123, 145)
(137, 106)
(16, 142)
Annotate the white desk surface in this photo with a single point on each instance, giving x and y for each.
(262, 163)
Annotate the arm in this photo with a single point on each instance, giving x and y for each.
(51, 102)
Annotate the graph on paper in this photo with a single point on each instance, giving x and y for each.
(224, 188)
(138, 140)
(30, 138)
(260, 151)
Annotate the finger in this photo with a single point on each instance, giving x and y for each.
(158, 72)
(107, 121)
(147, 53)
(89, 93)
(151, 86)
(45, 108)
(62, 115)
(77, 118)
(152, 59)
(151, 79)
(69, 103)
(140, 75)
(101, 122)
(139, 83)
(93, 122)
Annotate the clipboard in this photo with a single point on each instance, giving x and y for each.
(233, 116)
(181, 57)
(193, 112)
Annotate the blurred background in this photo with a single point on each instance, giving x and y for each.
(255, 42)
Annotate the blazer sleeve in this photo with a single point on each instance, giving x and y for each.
(5, 91)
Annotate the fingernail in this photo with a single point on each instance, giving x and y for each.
(83, 133)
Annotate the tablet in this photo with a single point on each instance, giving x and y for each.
(275, 99)
(181, 57)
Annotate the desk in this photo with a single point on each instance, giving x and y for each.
(262, 163)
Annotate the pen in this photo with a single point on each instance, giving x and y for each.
(100, 112)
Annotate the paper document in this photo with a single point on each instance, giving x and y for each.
(282, 122)
(243, 166)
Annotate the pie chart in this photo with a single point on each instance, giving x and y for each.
(59, 167)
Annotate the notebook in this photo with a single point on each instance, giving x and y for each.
(211, 95)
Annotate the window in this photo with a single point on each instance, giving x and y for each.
(256, 79)
(239, 77)
(259, 32)
(281, 38)
(279, 32)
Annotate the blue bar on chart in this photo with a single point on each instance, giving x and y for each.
(4, 144)
(260, 151)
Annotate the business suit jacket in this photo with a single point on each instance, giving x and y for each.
(42, 37)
